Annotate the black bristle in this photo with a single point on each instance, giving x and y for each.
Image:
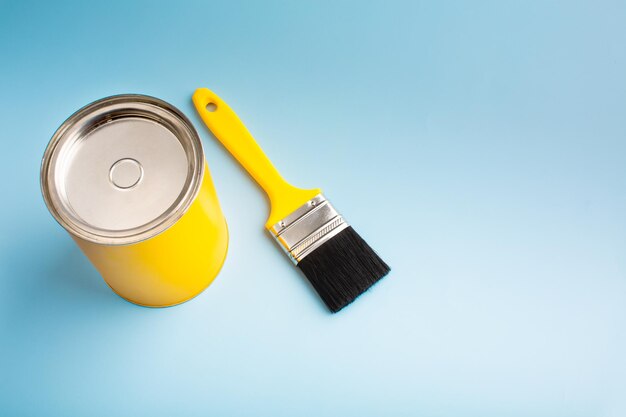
(343, 268)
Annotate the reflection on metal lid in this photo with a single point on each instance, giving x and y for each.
(122, 169)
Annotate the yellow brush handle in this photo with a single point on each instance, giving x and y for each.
(226, 126)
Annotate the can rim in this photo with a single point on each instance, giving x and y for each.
(161, 223)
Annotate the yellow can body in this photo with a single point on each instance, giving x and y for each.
(173, 266)
(127, 178)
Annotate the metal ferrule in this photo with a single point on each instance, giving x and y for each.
(307, 228)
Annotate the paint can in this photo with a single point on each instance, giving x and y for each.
(126, 176)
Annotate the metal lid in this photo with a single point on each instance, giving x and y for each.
(122, 169)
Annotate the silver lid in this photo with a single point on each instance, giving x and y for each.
(122, 169)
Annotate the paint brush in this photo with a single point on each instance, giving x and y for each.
(335, 259)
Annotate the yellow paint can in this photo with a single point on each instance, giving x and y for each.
(127, 178)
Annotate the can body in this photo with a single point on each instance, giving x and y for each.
(127, 178)
(173, 266)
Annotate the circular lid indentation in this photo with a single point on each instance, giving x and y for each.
(125, 173)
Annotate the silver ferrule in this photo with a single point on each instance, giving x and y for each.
(308, 228)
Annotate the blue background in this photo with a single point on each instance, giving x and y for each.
(480, 147)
